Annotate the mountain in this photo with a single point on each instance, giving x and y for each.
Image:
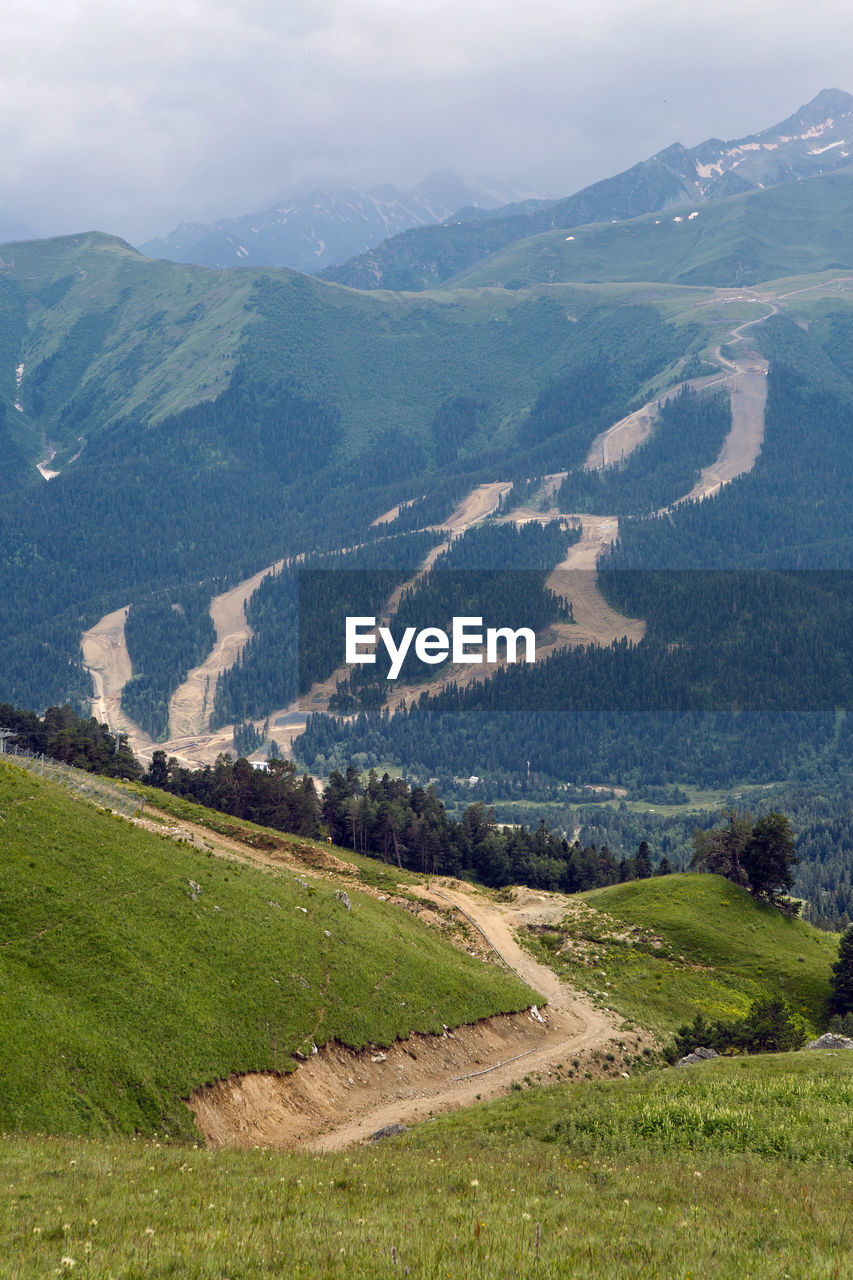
(325, 227)
(203, 425)
(815, 140)
(790, 229)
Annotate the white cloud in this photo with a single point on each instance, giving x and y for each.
(132, 117)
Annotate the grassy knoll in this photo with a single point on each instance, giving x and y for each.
(133, 969)
(659, 951)
(737, 1169)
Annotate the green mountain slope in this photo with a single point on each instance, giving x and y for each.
(811, 142)
(92, 333)
(788, 230)
(102, 332)
(224, 420)
(133, 969)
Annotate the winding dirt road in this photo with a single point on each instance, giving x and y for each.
(340, 1097)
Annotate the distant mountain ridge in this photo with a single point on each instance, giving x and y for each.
(325, 227)
(816, 139)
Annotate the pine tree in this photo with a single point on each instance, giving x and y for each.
(841, 982)
(644, 861)
(768, 858)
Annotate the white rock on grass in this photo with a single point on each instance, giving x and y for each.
(831, 1041)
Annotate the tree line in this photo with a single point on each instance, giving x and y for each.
(688, 435)
(403, 825)
(63, 735)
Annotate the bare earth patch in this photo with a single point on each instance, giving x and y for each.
(105, 654)
(575, 578)
(191, 704)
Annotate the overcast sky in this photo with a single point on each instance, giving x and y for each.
(132, 117)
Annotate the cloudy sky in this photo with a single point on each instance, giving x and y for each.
(132, 117)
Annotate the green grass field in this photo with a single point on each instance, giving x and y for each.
(120, 990)
(133, 969)
(736, 1169)
(369, 871)
(659, 951)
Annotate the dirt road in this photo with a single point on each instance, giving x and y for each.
(741, 447)
(623, 437)
(479, 503)
(339, 1097)
(747, 384)
(575, 578)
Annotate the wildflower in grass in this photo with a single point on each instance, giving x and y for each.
(475, 1182)
(67, 1262)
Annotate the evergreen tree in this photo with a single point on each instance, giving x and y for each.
(644, 861)
(768, 858)
(841, 982)
(721, 850)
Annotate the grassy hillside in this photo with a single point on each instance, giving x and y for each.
(795, 229)
(732, 1169)
(662, 950)
(104, 333)
(134, 969)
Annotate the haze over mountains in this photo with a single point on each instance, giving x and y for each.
(816, 139)
(323, 227)
(392, 238)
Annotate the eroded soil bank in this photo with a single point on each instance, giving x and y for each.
(341, 1096)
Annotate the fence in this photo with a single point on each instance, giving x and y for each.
(88, 786)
